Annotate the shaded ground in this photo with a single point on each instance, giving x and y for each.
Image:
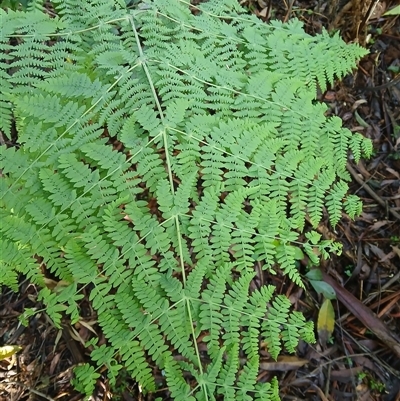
(360, 360)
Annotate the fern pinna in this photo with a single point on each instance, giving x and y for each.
(162, 153)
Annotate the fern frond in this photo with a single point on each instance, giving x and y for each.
(247, 378)
(209, 377)
(85, 378)
(254, 313)
(235, 301)
(17, 259)
(317, 192)
(271, 328)
(269, 391)
(210, 316)
(162, 153)
(180, 390)
(353, 206)
(227, 373)
(334, 201)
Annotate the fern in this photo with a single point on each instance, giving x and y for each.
(163, 152)
(85, 378)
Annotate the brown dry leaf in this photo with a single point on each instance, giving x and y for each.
(326, 322)
(363, 392)
(345, 375)
(377, 251)
(365, 174)
(263, 13)
(367, 216)
(357, 103)
(394, 172)
(320, 393)
(89, 325)
(330, 96)
(54, 362)
(295, 296)
(397, 144)
(75, 335)
(396, 250)
(377, 225)
(364, 362)
(378, 10)
(389, 256)
(55, 286)
(284, 363)
(50, 284)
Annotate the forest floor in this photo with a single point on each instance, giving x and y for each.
(361, 359)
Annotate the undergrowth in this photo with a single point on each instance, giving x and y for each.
(163, 153)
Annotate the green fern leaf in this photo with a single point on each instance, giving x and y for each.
(163, 153)
(85, 378)
(210, 316)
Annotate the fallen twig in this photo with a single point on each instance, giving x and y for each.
(371, 297)
(371, 192)
(30, 389)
